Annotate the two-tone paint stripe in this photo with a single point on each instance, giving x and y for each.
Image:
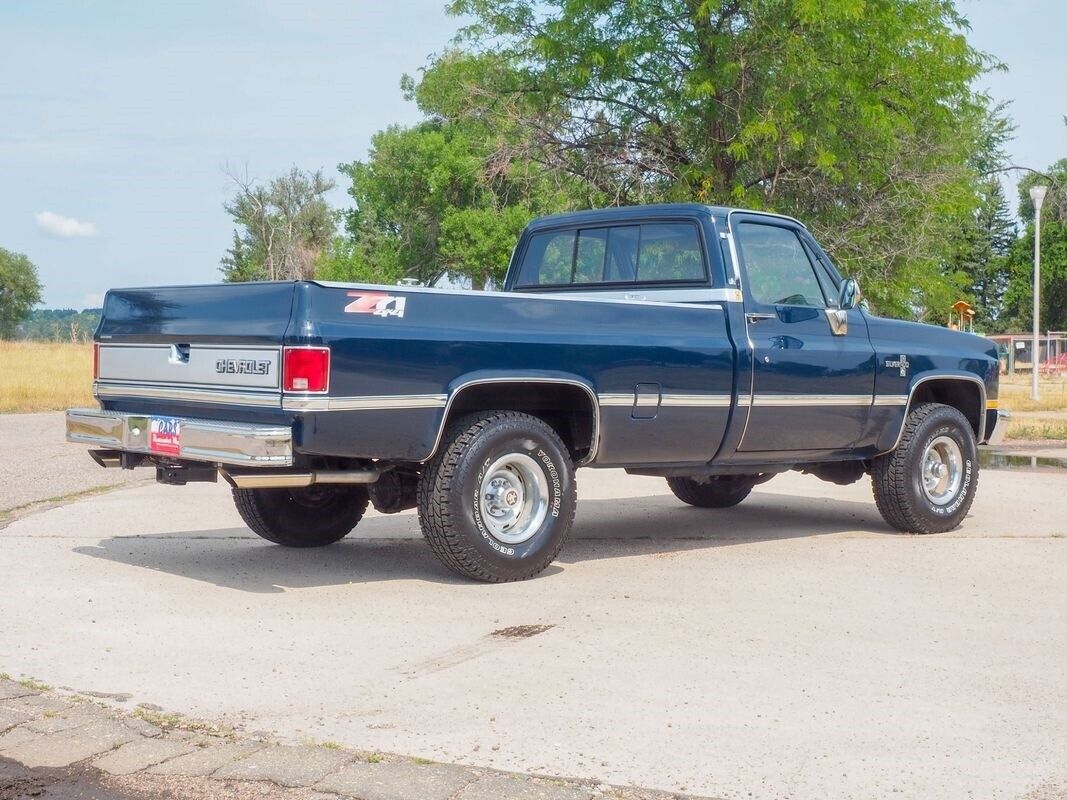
(417, 401)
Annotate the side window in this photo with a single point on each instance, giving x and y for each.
(589, 257)
(622, 253)
(779, 271)
(670, 252)
(549, 258)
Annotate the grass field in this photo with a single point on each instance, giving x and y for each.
(1015, 394)
(44, 376)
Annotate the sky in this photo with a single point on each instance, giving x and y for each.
(118, 119)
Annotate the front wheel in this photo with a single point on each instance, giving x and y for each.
(497, 501)
(306, 517)
(927, 484)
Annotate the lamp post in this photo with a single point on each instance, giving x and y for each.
(1037, 195)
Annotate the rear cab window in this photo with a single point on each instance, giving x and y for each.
(664, 253)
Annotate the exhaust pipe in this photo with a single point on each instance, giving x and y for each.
(261, 479)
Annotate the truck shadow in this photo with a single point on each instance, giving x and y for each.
(389, 548)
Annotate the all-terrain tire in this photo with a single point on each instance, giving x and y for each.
(452, 513)
(897, 477)
(719, 491)
(306, 517)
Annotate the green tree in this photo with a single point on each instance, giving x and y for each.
(20, 290)
(283, 227)
(449, 194)
(983, 245)
(1020, 294)
(859, 118)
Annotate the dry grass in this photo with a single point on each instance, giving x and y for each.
(45, 376)
(1015, 394)
(1033, 430)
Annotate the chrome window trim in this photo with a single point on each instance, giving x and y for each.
(728, 295)
(659, 297)
(517, 379)
(771, 214)
(941, 377)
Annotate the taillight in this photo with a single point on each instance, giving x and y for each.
(306, 369)
(96, 361)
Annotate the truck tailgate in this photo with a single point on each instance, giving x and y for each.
(193, 347)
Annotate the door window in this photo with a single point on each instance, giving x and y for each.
(779, 271)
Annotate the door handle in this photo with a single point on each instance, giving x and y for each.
(756, 316)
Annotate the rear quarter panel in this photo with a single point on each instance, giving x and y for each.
(445, 339)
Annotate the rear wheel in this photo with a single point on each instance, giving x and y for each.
(302, 517)
(497, 501)
(716, 491)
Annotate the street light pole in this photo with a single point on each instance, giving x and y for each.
(1037, 195)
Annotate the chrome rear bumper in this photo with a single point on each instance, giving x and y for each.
(213, 441)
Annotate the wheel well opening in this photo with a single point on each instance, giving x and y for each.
(566, 407)
(964, 396)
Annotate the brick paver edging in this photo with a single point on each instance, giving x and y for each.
(43, 729)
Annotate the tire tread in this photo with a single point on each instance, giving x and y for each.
(435, 506)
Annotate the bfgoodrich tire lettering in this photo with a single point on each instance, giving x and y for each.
(498, 463)
(928, 483)
(307, 517)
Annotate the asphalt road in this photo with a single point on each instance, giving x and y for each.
(791, 647)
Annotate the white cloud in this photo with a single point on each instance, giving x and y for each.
(92, 300)
(64, 227)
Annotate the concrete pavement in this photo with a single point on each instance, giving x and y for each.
(791, 647)
(37, 465)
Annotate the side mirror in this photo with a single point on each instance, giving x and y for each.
(850, 295)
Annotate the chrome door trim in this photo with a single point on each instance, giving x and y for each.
(773, 400)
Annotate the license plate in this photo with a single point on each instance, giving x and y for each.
(165, 436)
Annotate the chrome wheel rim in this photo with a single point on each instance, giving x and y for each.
(942, 470)
(513, 498)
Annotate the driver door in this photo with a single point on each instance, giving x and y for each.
(813, 369)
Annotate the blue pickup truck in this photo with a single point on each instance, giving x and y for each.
(713, 347)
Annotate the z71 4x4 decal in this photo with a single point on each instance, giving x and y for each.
(376, 303)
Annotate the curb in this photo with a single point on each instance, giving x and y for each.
(148, 750)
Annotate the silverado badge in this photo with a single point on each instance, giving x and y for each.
(901, 363)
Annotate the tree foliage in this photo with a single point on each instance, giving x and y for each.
(59, 324)
(283, 226)
(1019, 298)
(858, 117)
(983, 244)
(450, 194)
(20, 290)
